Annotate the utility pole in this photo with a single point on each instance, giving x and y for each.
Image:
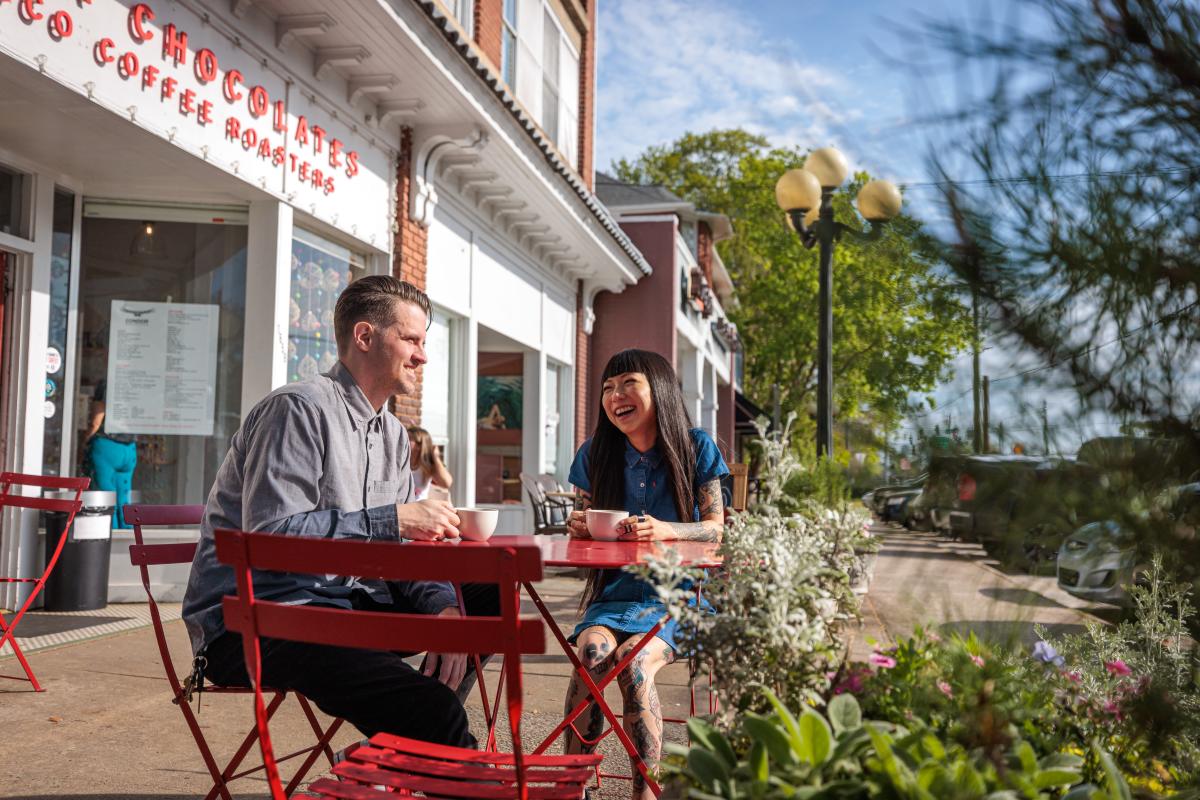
(1045, 430)
(977, 437)
(987, 448)
(776, 411)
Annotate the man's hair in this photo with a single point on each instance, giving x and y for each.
(373, 299)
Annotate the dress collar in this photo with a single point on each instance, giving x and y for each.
(632, 455)
(357, 405)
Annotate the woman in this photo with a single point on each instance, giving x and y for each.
(427, 468)
(109, 458)
(646, 459)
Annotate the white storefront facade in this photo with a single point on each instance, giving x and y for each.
(232, 166)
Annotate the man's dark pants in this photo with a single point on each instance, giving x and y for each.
(374, 690)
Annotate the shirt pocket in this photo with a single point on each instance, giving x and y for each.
(382, 493)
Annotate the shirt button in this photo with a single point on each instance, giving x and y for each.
(643, 485)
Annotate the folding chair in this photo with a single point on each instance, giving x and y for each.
(143, 556)
(393, 762)
(68, 507)
(544, 508)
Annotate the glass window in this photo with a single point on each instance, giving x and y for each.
(464, 12)
(508, 44)
(132, 263)
(550, 46)
(56, 340)
(321, 269)
(14, 208)
(435, 380)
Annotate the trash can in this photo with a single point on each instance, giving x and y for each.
(79, 581)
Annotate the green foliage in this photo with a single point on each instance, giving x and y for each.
(782, 594)
(839, 756)
(896, 324)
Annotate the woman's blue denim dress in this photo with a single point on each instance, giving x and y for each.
(629, 604)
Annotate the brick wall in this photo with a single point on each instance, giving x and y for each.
(583, 397)
(489, 26)
(587, 94)
(727, 418)
(408, 261)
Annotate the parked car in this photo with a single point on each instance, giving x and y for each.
(895, 507)
(876, 500)
(1101, 560)
(932, 511)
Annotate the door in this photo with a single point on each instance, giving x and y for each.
(6, 287)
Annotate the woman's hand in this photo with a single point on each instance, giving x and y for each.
(577, 525)
(645, 528)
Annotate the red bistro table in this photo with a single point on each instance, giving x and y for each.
(563, 551)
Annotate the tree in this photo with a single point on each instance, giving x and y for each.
(897, 323)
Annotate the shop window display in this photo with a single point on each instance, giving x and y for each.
(321, 269)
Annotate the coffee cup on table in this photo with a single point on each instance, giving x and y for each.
(477, 524)
(605, 525)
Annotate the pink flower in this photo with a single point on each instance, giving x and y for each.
(933, 637)
(1117, 667)
(945, 689)
(1073, 677)
(977, 660)
(882, 661)
(1110, 707)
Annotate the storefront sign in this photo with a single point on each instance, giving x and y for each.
(182, 77)
(53, 360)
(162, 368)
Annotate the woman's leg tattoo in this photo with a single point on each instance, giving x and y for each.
(643, 711)
(596, 656)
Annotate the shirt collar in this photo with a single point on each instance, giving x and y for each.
(632, 455)
(352, 395)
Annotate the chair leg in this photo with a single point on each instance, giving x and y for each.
(219, 787)
(9, 632)
(231, 768)
(322, 745)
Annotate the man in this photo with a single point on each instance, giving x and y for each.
(324, 457)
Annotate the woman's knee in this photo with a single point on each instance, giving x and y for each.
(595, 647)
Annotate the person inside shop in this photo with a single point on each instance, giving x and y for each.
(645, 458)
(430, 476)
(325, 457)
(109, 458)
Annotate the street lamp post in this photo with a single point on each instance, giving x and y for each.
(807, 197)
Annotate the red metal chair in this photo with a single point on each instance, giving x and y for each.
(143, 556)
(393, 762)
(68, 507)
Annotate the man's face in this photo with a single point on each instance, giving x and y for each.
(398, 350)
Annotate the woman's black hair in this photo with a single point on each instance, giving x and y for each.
(606, 456)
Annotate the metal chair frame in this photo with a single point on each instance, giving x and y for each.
(392, 763)
(70, 508)
(143, 556)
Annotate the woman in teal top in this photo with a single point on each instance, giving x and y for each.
(646, 459)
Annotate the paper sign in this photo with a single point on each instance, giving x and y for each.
(162, 368)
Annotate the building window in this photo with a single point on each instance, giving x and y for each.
(56, 339)
(508, 53)
(464, 12)
(550, 49)
(14, 203)
(553, 418)
(321, 269)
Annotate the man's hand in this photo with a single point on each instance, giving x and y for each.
(427, 520)
(453, 666)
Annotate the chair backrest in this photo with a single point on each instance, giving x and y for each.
(143, 556)
(8, 480)
(537, 499)
(548, 483)
(505, 565)
(741, 485)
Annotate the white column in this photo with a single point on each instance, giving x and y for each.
(708, 414)
(464, 391)
(533, 422)
(268, 285)
(691, 364)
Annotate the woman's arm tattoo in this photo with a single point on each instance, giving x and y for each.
(712, 514)
(583, 500)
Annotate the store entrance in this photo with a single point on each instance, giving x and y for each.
(159, 351)
(5, 340)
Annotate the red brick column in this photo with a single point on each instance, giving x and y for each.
(489, 28)
(409, 258)
(583, 346)
(704, 250)
(727, 417)
(587, 95)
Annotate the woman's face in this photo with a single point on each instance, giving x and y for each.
(628, 402)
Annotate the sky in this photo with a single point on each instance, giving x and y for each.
(851, 73)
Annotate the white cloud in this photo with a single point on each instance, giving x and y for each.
(670, 66)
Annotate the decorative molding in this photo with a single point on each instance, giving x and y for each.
(435, 145)
(388, 110)
(329, 58)
(359, 86)
(288, 28)
(239, 7)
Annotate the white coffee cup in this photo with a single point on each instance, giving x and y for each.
(603, 525)
(477, 524)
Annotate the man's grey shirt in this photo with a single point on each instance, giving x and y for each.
(311, 459)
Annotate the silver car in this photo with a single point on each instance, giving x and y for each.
(1098, 562)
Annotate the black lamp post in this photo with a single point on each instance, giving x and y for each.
(807, 197)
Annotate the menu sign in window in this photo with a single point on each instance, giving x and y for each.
(162, 368)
